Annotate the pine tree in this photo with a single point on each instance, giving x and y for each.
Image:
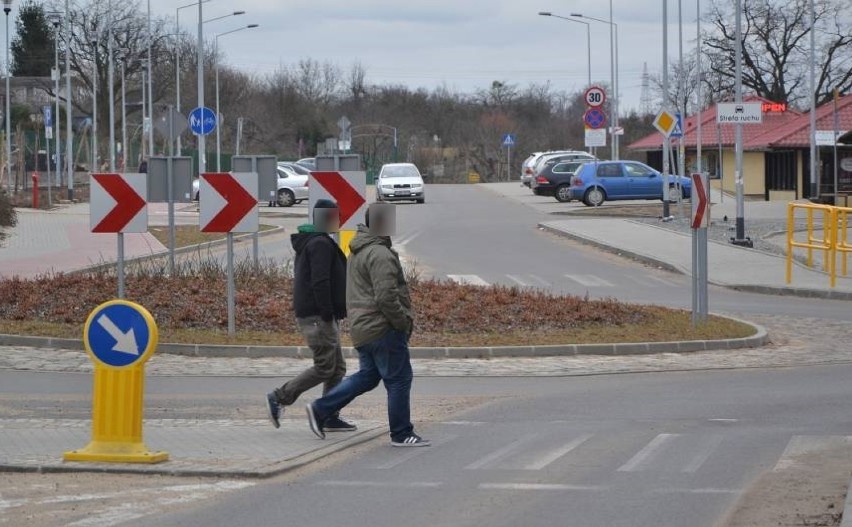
(32, 47)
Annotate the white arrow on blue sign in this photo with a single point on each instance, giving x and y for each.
(509, 140)
(119, 334)
(202, 120)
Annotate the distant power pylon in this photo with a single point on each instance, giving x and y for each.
(646, 103)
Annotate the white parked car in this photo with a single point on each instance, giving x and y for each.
(292, 187)
(400, 182)
(534, 163)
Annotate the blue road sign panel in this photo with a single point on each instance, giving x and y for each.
(677, 131)
(202, 121)
(509, 140)
(48, 116)
(594, 118)
(118, 334)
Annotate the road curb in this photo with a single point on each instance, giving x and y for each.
(846, 521)
(649, 260)
(275, 468)
(760, 338)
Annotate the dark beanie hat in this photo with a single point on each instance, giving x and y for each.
(325, 204)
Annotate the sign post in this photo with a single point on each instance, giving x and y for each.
(119, 336)
(228, 203)
(509, 141)
(700, 220)
(665, 122)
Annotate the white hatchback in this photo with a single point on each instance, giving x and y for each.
(400, 182)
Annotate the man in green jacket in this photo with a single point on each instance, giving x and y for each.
(381, 322)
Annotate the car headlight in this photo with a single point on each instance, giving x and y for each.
(387, 187)
(416, 185)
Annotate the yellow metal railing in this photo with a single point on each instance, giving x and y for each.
(830, 238)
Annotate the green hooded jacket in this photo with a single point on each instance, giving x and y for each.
(377, 297)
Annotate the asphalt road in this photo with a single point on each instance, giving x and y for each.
(639, 450)
(470, 234)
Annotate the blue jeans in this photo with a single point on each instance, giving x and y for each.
(385, 359)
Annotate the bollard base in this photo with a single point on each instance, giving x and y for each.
(744, 242)
(109, 452)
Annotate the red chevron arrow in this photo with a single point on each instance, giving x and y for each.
(701, 207)
(127, 203)
(239, 203)
(348, 199)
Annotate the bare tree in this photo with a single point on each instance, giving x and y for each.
(776, 47)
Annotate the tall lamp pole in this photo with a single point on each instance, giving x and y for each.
(613, 73)
(95, 81)
(177, 60)
(69, 147)
(218, 116)
(111, 82)
(588, 42)
(56, 19)
(814, 179)
(150, 94)
(7, 7)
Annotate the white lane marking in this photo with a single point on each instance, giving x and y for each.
(539, 486)
(517, 280)
(467, 279)
(146, 506)
(381, 484)
(408, 238)
(697, 491)
(702, 456)
(589, 280)
(540, 280)
(663, 281)
(645, 455)
(463, 423)
(549, 457)
(412, 453)
(723, 420)
(499, 454)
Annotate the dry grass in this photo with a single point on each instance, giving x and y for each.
(188, 235)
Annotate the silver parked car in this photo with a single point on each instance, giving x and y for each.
(292, 186)
(400, 182)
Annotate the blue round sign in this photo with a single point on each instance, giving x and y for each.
(119, 333)
(202, 120)
(594, 118)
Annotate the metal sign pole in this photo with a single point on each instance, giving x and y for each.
(120, 265)
(255, 249)
(509, 163)
(231, 287)
(171, 198)
(666, 139)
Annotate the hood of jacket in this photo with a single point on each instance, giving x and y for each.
(306, 233)
(364, 239)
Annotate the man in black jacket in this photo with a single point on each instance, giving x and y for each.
(319, 302)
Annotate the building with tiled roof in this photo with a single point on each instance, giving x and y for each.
(776, 152)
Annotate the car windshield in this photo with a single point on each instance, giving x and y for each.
(400, 171)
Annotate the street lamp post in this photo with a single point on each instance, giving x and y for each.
(588, 42)
(150, 94)
(69, 147)
(95, 80)
(177, 60)
(123, 66)
(56, 20)
(111, 82)
(216, 67)
(7, 7)
(613, 73)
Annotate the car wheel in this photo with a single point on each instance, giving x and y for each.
(563, 193)
(675, 193)
(594, 197)
(286, 197)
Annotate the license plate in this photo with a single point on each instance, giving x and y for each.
(402, 192)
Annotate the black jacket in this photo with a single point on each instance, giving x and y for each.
(319, 277)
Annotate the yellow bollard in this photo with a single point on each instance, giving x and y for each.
(345, 238)
(119, 336)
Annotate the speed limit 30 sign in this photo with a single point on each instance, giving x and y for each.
(595, 97)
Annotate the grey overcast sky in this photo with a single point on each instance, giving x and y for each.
(462, 44)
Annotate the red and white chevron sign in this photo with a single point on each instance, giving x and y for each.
(347, 189)
(700, 203)
(228, 202)
(117, 202)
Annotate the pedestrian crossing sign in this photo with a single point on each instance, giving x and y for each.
(677, 131)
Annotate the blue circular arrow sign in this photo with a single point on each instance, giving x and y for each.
(202, 120)
(119, 334)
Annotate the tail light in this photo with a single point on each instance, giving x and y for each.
(576, 181)
(307, 181)
(541, 180)
(528, 170)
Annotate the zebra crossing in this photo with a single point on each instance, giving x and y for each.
(589, 281)
(565, 459)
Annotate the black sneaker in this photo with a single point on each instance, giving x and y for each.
(274, 409)
(312, 422)
(411, 441)
(336, 424)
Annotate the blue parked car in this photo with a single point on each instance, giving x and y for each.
(598, 181)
